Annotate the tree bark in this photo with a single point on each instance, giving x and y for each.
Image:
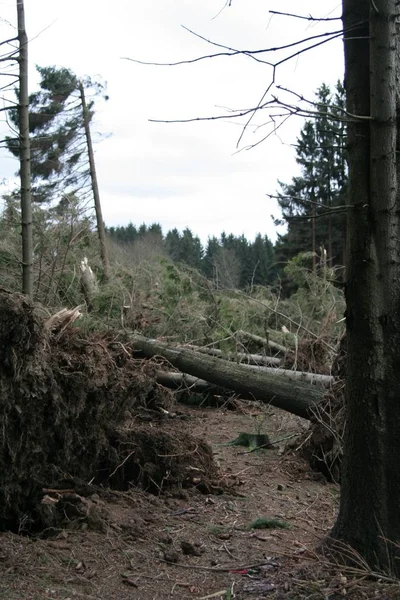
(369, 516)
(95, 187)
(296, 397)
(25, 156)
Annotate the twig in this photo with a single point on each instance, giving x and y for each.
(213, 569)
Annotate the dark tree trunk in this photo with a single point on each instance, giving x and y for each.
(294, 396)
(369, 516)
(95, 187)
(25, 155)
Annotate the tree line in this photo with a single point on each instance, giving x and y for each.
(63, 175)
(229, 261)
(312, 205)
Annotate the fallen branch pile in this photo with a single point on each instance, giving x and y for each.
(262, 384)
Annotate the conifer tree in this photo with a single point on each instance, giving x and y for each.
(311, 203)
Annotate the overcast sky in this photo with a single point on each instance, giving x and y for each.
(184, 174)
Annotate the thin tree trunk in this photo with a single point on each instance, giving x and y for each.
(369, 516)
(263, 341)
(296, 397)
(95, 187)
(313, 230)
(25, 155)
(240, 357)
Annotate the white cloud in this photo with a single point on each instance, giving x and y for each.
(184, 174)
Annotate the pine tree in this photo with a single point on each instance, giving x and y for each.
(62, 159)
(263, 258)
(311, 203)
(173, 245)
(191, 249)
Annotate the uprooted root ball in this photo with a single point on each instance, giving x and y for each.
(64, 400)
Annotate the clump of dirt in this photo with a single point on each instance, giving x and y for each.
(155, 460)
(323, 444)
(64, 400)
(21, 332)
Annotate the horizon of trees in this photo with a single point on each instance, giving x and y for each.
(229, 261)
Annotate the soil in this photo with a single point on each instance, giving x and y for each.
(196, 542)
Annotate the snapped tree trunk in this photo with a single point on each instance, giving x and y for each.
(25, 155)
(369, 516)
(95, 187)
(296, 397)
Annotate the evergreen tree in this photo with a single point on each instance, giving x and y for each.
(263, 258)
(56, 125)
(311, 203)
(191, 249)
(210, 255)
(173, 245)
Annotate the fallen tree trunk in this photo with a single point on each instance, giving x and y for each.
(240, 357)
(263, 341)
(298, 398)
(174, 380)
(313, 378)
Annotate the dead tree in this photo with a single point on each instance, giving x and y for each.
(296, 397)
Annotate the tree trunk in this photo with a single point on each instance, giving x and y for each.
(263, 341)
(182, 380)
(314, 233)
(240, 357)
(369, 516)
(95, 187)
(88, 283)
(25, 155)
(296, 397)
(313, 378)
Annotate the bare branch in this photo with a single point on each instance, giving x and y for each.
(14, 39)
(227, 4)
(234, 52)
(305, 200)
(307, 18)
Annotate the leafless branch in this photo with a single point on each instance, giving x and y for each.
(13, 39)
(235, 52)
(297, 199)
(227, 4)
(307, 18)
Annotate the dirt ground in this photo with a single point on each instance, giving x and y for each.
(196, 545)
